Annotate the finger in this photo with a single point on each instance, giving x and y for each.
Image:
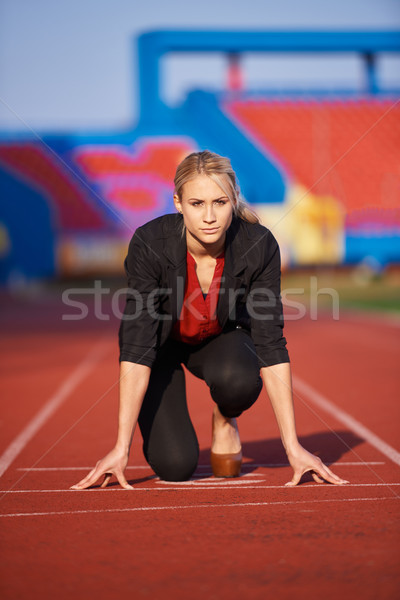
(338, 479)
(88, 476)
(332, 477)
(80, 485)
(122, 481)
(329, 476)
(89, 480)
(91, 473)
(106, 480)
(316, 478)
(295, 479)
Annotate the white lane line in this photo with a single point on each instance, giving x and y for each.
(272, 465)
(72, 381)
(191, 507)
(209, 482)
(244, 466)
(349, 421)
(198, 487)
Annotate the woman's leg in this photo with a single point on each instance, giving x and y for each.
(229, 365)
(169, 440)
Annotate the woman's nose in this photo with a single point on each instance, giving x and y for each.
(209, 214)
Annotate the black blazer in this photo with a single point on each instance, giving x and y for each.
(249, 295)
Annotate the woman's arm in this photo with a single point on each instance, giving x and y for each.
(278, 382)
(133, 383)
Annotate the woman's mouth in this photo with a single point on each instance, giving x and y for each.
(210, 230)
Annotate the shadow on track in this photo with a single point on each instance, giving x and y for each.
(330, 446)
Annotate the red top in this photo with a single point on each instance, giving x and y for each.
(198, 318)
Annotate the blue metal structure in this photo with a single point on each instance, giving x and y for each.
(154, 45)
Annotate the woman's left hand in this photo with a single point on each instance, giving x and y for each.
(303, 461)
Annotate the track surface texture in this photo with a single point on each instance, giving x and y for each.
(249, 537)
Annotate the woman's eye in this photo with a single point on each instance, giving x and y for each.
(218, 202)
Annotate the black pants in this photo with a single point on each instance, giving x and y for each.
(227, 363)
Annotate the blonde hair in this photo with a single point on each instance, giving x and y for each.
(220, 170)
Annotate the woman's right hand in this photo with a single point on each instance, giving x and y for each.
(114, 463)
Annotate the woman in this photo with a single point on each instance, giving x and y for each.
(205, 292)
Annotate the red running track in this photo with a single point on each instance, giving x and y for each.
(206, 538)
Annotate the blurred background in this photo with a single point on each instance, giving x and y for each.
(100, 101)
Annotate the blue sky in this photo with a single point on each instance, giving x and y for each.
(71, 65)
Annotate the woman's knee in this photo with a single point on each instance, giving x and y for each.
(235, 391)
(174, 467)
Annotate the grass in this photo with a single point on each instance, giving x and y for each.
(356, 288)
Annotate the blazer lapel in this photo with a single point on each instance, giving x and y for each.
(175, 251)
(234, 265)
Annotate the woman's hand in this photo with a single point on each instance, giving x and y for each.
(303, 461)
(114, 463)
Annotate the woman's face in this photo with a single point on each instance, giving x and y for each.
(207, 211)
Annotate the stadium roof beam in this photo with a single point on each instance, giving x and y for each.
(153, 45)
